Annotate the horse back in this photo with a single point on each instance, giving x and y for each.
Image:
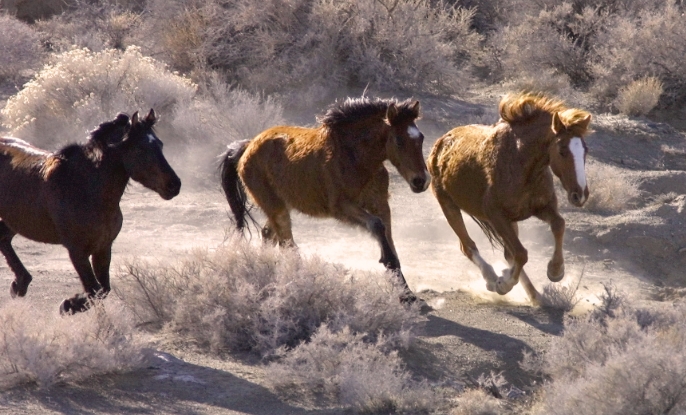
(292, 163)
(461, 165)
(24, 173)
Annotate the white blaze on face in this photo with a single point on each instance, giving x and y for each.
(153, 139)
(413, 132)
(576, 146)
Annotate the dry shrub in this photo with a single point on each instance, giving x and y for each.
(610, 190)
(619, 360)
(19, 46)
(477, 402)
(51, 349)
(343, 368)
(635, 46)
(96, 25)
(248, 298)
(310, 48)
(639, 97)
(562, 297)
(81, 89)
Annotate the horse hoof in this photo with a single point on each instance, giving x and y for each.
(556, 278)
(15, 291)
(502, 287)
(490, 286)
(74, 305)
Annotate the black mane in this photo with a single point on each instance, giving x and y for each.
(356, 109)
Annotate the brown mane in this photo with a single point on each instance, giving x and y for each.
(524, 106)
(358, 109)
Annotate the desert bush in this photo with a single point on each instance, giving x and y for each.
(81, 89)
(478, 402)
(96, 25)
(639, 97)
(618, 360)
(20, 47)
(342, 368)
(53, 349)
(610, 190)
(257, 299)
(557, 39)
(648, 45)
(308, 48)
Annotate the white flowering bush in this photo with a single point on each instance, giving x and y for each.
(80, 89)
(50, 349)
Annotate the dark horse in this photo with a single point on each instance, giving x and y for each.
(335, 170)
(499, 175)
(71, 197)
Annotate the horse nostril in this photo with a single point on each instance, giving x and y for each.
(418, 183)
(575, 197)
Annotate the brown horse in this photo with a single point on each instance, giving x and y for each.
(335, 170)
(499, 175)
(71, 197)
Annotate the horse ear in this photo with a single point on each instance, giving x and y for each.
(391, 113)
(558, 125)
(151, 117)
(134, 118)
(415, 108)
(585, 122)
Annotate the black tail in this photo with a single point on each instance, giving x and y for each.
(232, 185)
(495, 239)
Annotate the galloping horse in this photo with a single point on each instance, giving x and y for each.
(71, 197)
(335, 170)
(499, 175)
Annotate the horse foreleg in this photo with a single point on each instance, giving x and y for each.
(531, 291)
(453, 214)
(556, 265)
(354, 214)
(101, 267)
(22, 278)
(92, 288)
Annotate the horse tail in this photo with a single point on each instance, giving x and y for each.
(493, 237)
(232, 184)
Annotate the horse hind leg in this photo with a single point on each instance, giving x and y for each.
(278, 227)
(453, 215)
(22, 278)
(531, 292)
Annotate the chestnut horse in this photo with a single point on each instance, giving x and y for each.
(71, 197)
(335, 170)
(500, 175)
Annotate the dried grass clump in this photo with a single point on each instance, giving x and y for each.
(20, 47)
(81, 89)
(478, 402)
(610, 190)
(639, 97)
(51, 349)
(619, 360)
(258, 299)
(344, 369)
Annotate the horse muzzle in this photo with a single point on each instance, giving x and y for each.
(419, 184)
(171, 190)
(578, 198)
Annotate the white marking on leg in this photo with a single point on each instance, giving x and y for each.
(577, 148)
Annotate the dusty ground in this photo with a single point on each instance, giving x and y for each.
(470, 331)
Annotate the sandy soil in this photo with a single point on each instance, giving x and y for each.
(470, 331)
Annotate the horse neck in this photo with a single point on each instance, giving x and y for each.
(534, 141)
(365, 143)
(109, 173)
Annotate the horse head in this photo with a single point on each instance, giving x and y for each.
(568, 153)
(143, 159)
(404, 145)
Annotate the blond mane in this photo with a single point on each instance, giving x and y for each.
(522, 107)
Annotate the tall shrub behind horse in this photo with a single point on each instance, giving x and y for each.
(71, 197)
(499, 175)
(335, 170)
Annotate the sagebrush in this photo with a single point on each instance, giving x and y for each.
(258, 298)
